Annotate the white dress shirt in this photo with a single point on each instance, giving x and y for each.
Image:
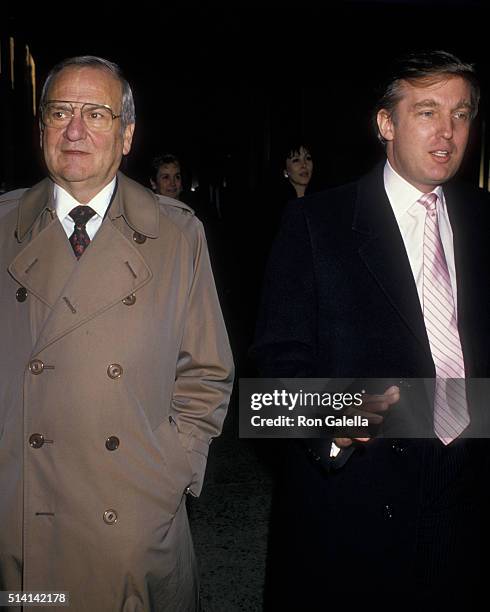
(64, 202)
(410, 216)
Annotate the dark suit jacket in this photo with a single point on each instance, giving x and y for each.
(340, 301)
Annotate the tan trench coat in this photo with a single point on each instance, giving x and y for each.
(115, 375)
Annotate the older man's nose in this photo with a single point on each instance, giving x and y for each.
(76, 129)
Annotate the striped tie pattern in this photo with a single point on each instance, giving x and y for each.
(450, 406)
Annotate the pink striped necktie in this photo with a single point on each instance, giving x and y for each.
(450, 406)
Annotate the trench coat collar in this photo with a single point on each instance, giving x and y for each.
(33, 203)
(138, 206)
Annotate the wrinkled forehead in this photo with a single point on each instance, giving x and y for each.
(86, 84)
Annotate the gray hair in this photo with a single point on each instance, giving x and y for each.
(127, 110)
(420, 67)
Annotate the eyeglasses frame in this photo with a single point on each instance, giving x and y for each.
(71, 102)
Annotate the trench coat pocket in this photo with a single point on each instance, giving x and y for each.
(197, 453)
(176, 456)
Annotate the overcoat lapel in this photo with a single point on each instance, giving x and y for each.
(45, 264)
(383, 252)
(46, 260)
(110, 269)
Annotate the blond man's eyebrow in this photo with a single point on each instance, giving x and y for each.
(430, 103)
(426, 103)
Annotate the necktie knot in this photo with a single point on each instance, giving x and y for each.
(81, 214)
(429, 200)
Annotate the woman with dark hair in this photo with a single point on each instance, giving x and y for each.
(290, 178)
(298, 168)
(166, 175)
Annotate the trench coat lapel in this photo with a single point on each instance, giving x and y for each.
(45, 264)
(46, 260)
(383, 252)
(110, 269)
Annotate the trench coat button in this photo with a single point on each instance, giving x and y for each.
(21, 294)
(36, 440)
(139, 238)
(114, 370)
(112, 443)
(110, 517)
(36, 366)
(129, 300)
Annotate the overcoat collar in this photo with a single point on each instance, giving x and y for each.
(137, 205)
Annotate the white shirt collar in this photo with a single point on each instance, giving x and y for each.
(64, 202)
(402, 194)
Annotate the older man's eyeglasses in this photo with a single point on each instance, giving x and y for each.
(58, 114)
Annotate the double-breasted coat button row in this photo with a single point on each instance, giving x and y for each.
(21, 294)
(114, 371)
(36, 366)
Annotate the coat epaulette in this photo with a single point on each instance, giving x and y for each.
(11, 196)
(166, 201)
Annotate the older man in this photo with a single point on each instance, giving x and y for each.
(115, 370)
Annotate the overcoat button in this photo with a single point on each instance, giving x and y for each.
(110, 517)
(112, 443)
(36, 366)
(139, 238)
(36, 440)
(129, 300)
(388, 512)
(399, 448)
(114, 370)
(21, 294)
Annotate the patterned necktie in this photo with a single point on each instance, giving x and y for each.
(80, 240)
(450, 405)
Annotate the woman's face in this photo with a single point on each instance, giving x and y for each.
(168, 181)
(299, 168)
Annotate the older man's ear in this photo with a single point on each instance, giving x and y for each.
(128, 138)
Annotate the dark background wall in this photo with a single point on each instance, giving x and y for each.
(223, 84)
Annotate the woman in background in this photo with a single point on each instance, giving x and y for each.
(166, 177)
(298, 169)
